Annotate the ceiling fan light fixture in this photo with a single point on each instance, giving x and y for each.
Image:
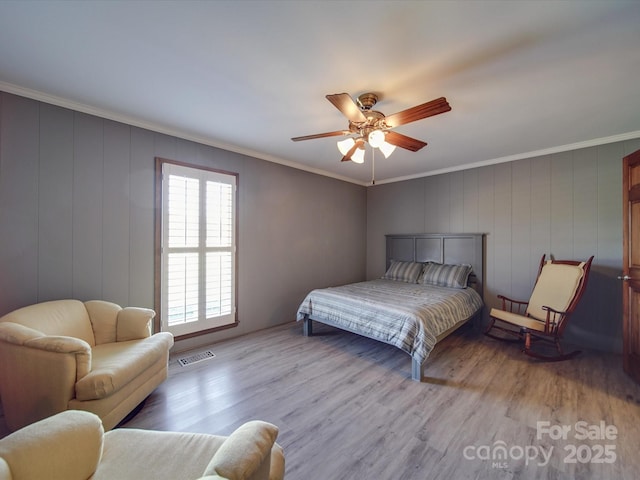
(345, 145)
(373, 127)
(358, 155)
(376, 138)
(386, 149)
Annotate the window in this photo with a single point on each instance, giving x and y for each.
(197, 248)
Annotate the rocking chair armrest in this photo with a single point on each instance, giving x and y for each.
(519, 303)
(553, 310)
(553, 313)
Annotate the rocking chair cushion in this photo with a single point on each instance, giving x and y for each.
(519, 320)
(556, 288)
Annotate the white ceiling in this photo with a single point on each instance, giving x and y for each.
(523, 78)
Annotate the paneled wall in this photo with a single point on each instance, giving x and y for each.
(568, 205)
(77, 217)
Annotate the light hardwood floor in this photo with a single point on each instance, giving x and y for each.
(348, 409)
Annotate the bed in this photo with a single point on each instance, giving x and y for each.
(432, 286)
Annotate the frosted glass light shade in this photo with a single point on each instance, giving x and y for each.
(376, 138)
(345, 145)
(358, 155)
(386, 149)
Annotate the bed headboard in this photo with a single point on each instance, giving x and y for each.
(453, 248)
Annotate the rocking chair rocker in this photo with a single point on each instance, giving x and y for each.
(557, 291)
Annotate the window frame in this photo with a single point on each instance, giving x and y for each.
(158, 260)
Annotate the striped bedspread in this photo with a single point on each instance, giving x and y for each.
(407, 315)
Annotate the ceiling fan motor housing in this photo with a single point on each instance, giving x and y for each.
(366, 101)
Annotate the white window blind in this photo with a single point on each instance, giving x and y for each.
(198, 249)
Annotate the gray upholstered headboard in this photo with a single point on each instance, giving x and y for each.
(453, 248)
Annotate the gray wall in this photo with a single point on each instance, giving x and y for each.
(567, 204)
(77, 218)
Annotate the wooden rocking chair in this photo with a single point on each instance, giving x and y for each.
(558, 289)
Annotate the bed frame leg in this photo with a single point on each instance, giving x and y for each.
(307, 327)
(417, 370)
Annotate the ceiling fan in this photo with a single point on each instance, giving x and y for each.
(371, 126)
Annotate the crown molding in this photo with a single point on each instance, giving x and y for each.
(521, 156)
(136, 122)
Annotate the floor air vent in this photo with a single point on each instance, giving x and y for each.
(198, 357)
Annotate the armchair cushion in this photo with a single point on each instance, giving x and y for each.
(138, 454)
(245, 451)
(134, 323)
(116, 364)
(104, 320)
(68, 318)
(112, 323)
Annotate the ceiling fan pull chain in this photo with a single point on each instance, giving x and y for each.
(373, 166)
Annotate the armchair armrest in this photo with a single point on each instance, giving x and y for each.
(19, 335)
(134, 323)
(245, 454)
(38, 372)
(59, 344)
(42, 449)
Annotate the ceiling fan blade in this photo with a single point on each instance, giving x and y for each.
(322, 135)
(344, 103)
(402, 141)
(352, 150)
(429, 109)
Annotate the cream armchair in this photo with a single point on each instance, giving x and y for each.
(72, 445)
(66, 354)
